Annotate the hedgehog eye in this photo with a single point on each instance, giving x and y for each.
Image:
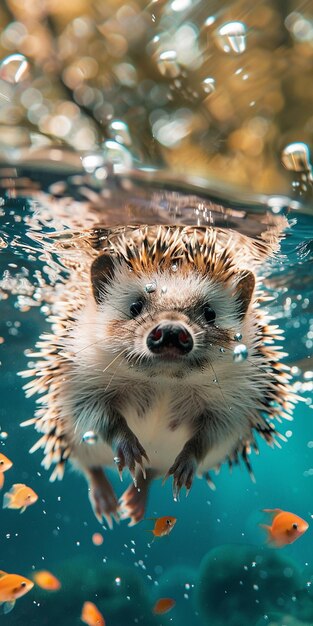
(295, 526)
(136, 308)
(209, 314)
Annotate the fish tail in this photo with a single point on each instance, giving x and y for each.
(7, 499)
(1, 479)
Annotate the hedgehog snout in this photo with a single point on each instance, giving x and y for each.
(170, 338)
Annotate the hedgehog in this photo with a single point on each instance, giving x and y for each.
(162, 361)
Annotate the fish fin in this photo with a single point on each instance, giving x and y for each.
(272, 512)
(268, 530)
(1, 479)
(7, 499)
(2, 573)
(8, 607)
(23, 509)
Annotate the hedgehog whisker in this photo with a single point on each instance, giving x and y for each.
(113, 360)
(219, 386)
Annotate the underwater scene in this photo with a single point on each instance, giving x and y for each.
(156, 317)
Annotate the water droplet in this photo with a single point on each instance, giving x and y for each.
(91, 161)
(222, 350)
(238, 337)
(90, 438)
(296, 157)
(240, 353)
(167, 64)
(174, 267)
(208, 85)
(232, 37)
(119, 131)
(180, 5)
(150, 287)
(118, 581)
(3, 435)
(164, 289)
(14, 68)
(116, 154)
(117, 460)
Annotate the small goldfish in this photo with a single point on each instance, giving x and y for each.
(12, 587)
(286, 527)
(162, 526)
(19, 497)
(163, 605)
(91, 615)
(5, 465)
(47, 581)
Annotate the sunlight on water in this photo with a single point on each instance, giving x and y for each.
(164, 113)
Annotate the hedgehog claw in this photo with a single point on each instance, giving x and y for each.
(128, 454)
(183, 471)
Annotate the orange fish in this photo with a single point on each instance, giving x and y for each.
(5, 465)
(162, 526)
(19, 497)
(91, 615)
(286, 527)
(163, 605)
(97, 539)
(12, 587)
(47, 581)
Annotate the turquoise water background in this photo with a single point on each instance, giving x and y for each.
(215, 563)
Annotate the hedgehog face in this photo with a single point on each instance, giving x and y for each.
(173, 320)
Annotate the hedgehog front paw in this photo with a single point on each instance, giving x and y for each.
(128, 453)
(183, 471)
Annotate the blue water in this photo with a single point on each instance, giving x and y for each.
(215, 563)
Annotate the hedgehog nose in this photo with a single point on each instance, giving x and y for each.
(170, 336)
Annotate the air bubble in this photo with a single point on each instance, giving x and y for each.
(14, 68)
(90, 438)
(240, 353)
(208, 85)
(164, 289)
(238, 337)
(222, 350)
(167, 64)
(118, 581)
(232, 37)
(119, 131)
(174, 267)
(91, 161)
(3, 435)
(296, 157)
(116, 154)
(150, 287)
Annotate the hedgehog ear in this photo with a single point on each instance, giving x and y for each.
(102, 270)
(244, 291)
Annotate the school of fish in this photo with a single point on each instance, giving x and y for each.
(285, 529)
